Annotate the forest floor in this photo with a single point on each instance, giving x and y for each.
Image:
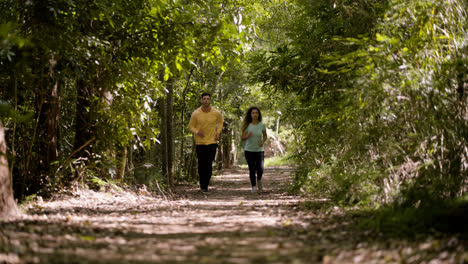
(227, 225)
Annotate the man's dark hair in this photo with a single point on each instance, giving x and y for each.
(205, 94)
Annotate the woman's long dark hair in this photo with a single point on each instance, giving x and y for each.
(248, 117)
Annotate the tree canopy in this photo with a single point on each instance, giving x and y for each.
(367, 96)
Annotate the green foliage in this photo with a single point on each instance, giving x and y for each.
(321, 111)
(108, 61)
(99, 184)
(315, 205)
(412, 73)
(446, 217)
(28, 199)
(369, 95)
(277, 161)
(380, 109)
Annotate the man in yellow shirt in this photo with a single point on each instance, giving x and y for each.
(206, 124)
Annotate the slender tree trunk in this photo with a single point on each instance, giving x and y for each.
(7, 203)
(13, 149)
(163, 139)
(51, 115)
(122, 162)
(84, 124)
(192, 168)
(218, 80)
(48, 122)
(170, 132)
(234, 152)
(183, 163)
(130, 165)
(219, 155)
(277, 139)
(226, 147)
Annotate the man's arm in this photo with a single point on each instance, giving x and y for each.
(193, 123)
(219, 126)
(193, 126)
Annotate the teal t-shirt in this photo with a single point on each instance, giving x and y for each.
(253, 143)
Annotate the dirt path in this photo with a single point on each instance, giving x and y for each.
(228, 225)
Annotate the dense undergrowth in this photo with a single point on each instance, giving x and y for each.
(381, 112)
(380, 115)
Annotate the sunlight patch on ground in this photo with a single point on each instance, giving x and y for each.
(227, 225)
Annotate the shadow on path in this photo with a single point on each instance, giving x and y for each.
(227, 225)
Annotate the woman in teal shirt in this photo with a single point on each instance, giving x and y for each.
(254, 134)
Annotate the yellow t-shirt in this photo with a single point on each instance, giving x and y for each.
(210, 123)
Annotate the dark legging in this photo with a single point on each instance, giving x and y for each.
(205, 156)
(255, 162)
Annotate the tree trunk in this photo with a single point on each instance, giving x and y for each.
(227, 144)
(48, 121)
(7, 203)
(13, 149)
(219, 155)
(122, 162)
(163, 138)
(130, 164)
(183, 160)
(84, 124)
(170, 132)
(192, 168)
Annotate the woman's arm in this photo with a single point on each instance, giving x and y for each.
(245, 136)
(265, 137)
